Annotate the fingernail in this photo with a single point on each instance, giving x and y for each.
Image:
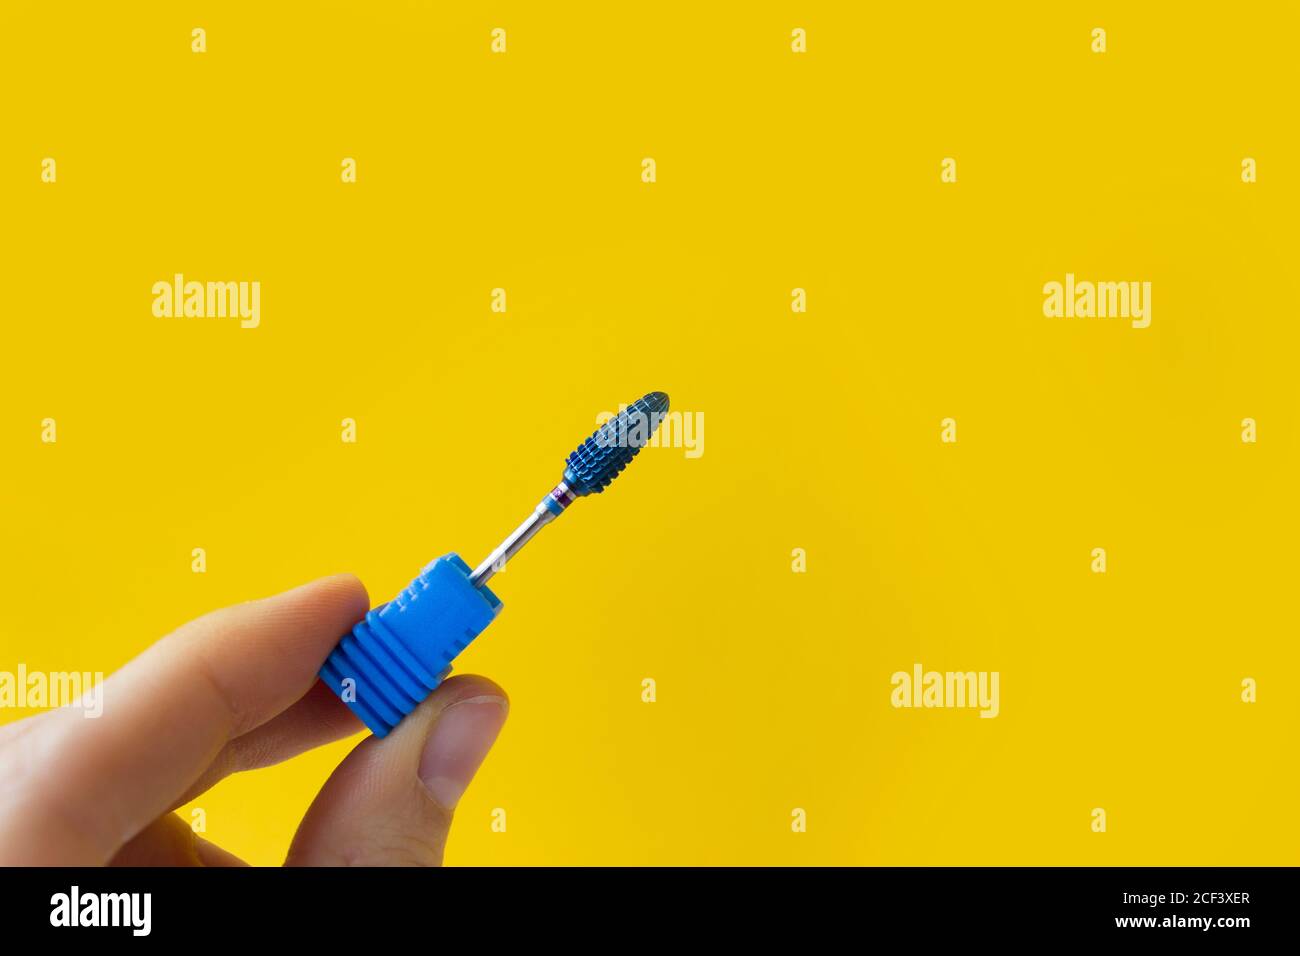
(460, 740)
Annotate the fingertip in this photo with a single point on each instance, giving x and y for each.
(391, 801)
(461, 687)
(345, 591)
(336, 601)
(457, 689)
(467, 723)
(322, 611)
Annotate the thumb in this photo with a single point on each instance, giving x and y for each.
(389, 803)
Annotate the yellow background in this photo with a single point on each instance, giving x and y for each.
(775, 171)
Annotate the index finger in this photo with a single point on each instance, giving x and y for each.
(78, 789)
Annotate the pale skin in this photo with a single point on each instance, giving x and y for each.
(231, 691)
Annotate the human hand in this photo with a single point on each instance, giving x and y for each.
(237, 690)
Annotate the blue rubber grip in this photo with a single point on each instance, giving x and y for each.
(401, 651)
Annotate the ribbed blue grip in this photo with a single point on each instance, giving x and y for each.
(400, 652)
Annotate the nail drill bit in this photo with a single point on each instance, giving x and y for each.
(400, 651)
(589, 470)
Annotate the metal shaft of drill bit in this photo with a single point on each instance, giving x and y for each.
(542, 515)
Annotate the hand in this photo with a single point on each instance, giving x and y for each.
(231, 691)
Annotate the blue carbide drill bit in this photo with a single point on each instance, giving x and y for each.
(395, 656)
(588, 470)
